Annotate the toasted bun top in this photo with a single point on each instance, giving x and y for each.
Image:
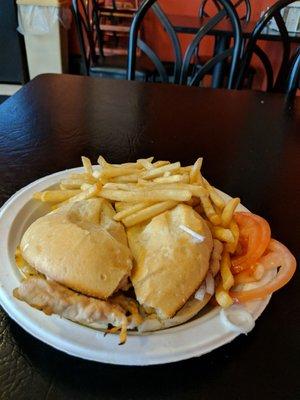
(170, 264)
(80, 246)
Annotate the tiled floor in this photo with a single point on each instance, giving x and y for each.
(8, 90)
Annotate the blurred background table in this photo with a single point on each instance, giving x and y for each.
(250, 143)
(191, 24)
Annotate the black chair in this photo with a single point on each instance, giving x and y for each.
(294, 75)
(89, 36)
(243, 8)
(184, 71)
(277, 84)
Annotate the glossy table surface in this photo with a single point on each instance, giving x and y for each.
(250, 143)
(191, 24)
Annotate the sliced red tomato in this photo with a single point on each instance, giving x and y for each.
(278, 256)
(255, 235)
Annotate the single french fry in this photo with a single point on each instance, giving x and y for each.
(120, 186)
(101, 161)
(223, 234)
(172, 179)
(145, 195)
(184, 170)
(226, 274)
(161, 163)
(86, 194)
(55, 196)
(120, 206)
(215, 257)
(228, 211)
(83, 176)
(196, 190)
(195, 176)
(249, 275)
(147, 213)
(112, 172)
(231, 247)
(72, 183)
(214, 195)
(126, 178)
(131, 210)
(156, 172)
(86, 162)
(208, 208)
(146, 162)
(127, 165)
(142, 182)
(222, 297)
(85, 186)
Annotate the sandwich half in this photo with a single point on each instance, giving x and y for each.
(170, 264)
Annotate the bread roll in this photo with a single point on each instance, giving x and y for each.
(80, 246)
(170, 264)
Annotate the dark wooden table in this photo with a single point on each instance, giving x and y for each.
(250, 143)
(191, 24)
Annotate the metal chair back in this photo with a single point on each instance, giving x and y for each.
(294, 75)
(182, 63)
(87, 31)
(243, 8)
(252, 47)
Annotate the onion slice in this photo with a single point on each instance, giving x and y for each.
(199, 295)
(287, 263)
(210, 284)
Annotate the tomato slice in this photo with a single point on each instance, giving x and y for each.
(278, 256)
(255, 235)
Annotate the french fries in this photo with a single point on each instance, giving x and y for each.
(214, 196)
(226, 274)
(113, 172)
(87, 165)
(131, 210)
(72, 183)
(86, 194)
(55, 196)
(158, 171)
(231, 247)
(147, 213)
(184, 178)
(228, 211)
(222, 296)
(145, 195)
(195, 174)
(146, 162)
(223, 234)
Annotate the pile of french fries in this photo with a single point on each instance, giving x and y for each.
(142, 190)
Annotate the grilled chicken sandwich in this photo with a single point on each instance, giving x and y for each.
(83, 266)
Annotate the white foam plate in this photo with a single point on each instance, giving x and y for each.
(192, 339)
